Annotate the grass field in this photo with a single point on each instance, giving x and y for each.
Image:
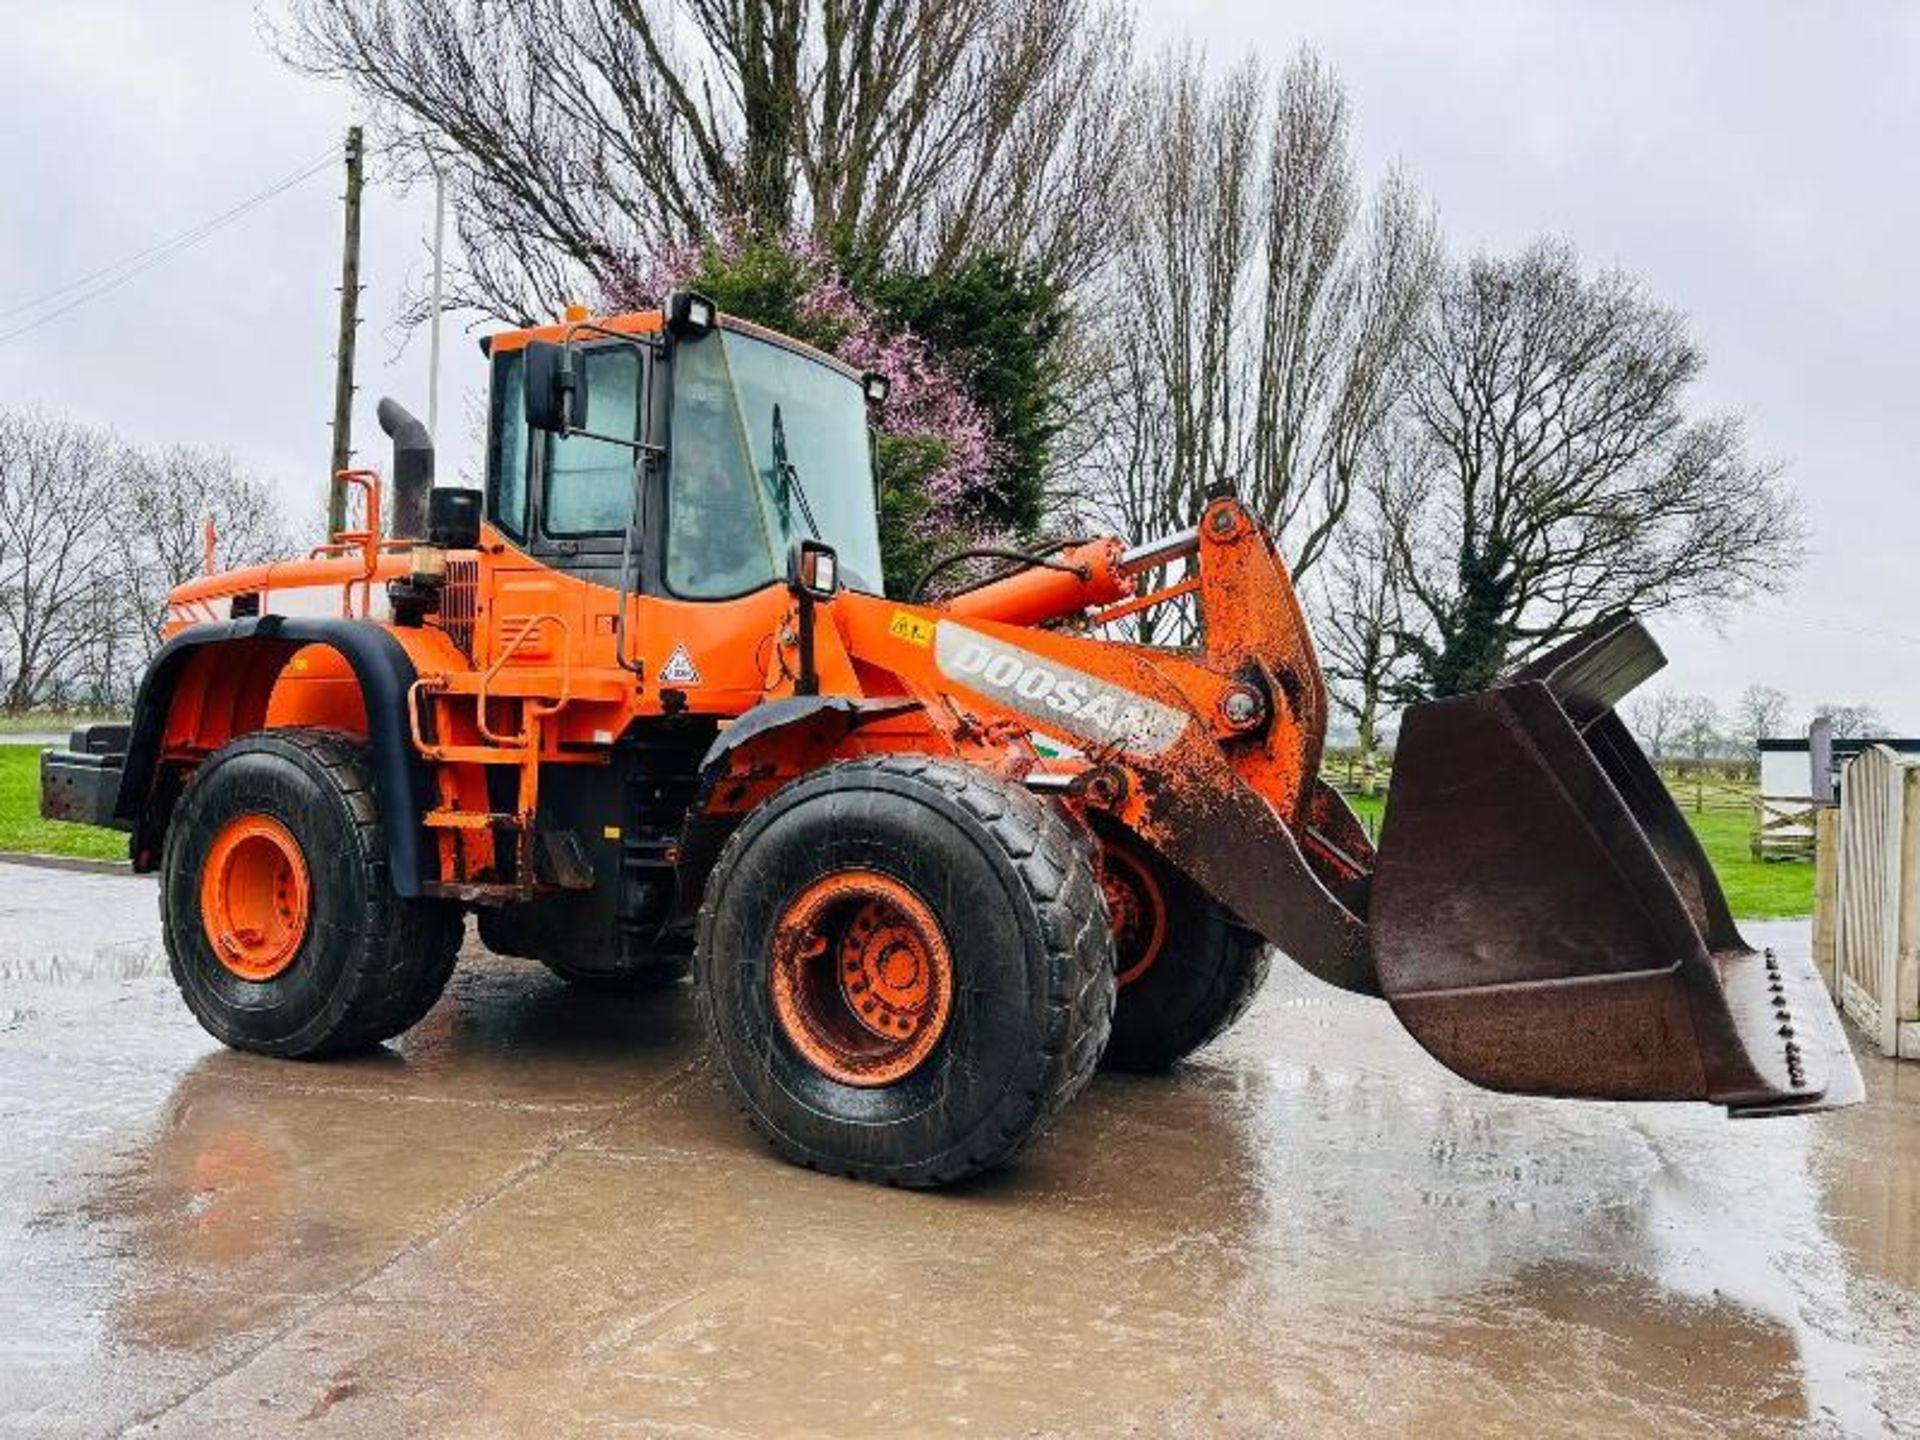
(43, 722)
(24, 832)
(1756, 891)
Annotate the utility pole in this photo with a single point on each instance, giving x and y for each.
(343, 351)
(439, 257)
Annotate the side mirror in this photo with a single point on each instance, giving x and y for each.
(813, 568)
(556, 389)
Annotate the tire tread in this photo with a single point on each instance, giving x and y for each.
(410, 947)
(1054, 867)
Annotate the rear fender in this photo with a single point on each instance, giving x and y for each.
(213, 682)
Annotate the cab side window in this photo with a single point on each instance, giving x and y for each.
(590, 482)
(507, 452)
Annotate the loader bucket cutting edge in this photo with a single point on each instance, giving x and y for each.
(1544, 921)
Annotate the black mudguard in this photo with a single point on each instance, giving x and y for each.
(401, 784)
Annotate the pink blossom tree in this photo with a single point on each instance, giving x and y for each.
(938, 456)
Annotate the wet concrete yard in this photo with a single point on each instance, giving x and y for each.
(538, 1215)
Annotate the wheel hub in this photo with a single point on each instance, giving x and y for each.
(862, 978)
(886, 972)
(254, 897)
(1138, 911)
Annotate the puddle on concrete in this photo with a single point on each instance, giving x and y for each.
(127, 960)
(69, 927)
(539, 1211)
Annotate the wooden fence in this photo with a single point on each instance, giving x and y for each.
(1867, 901)
(1783, 827)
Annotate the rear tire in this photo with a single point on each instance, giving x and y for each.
(968, 914)
(358, 964)
(1204, 971)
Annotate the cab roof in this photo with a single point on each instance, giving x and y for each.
(649, 322)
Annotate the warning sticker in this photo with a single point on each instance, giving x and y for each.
(679, 669)
(914, 629)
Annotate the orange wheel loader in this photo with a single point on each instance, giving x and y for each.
(641, 703)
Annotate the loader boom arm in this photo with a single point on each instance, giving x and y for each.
(1210, 756)
(1538, 914)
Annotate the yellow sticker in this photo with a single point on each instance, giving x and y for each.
(914, 629)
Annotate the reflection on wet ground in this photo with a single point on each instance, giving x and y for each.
(538, 1214)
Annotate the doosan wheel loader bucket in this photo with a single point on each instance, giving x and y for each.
(1544, 921)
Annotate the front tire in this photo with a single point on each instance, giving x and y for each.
(281, 925)
(1188, 969)
(906, 969)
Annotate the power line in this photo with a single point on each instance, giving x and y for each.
(185, 237)
(111, 277)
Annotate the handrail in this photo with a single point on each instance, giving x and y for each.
(368, 540)
(389, 545)
(428, 750)
(532, 710)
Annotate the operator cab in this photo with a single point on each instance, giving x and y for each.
(685, 455)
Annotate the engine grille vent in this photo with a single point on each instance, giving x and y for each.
(460, 602)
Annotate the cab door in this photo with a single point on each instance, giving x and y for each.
(572, 506)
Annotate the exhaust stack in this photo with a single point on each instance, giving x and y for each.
(412, 469)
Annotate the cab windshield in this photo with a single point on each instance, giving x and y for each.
(766, 446)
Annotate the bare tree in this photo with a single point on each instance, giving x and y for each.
(1701, 729)
(1267, 302)
(1569, 478)
(56, 488)
(582, 138)
(93, 533)
(1657, 716)
(159, 527)
(1362, 620)
(1853, 722)
(1759, 713)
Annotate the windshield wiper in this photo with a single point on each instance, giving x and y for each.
(789, 475)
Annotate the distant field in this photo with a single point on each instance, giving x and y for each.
(43, 722)
(1756, 891)
(24, 832)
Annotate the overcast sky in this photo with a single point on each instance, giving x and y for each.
(1755, 163)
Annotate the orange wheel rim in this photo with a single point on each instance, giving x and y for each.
(1138, 910)
(254, 897)
(862, 978)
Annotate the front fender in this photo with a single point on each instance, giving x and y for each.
(380, 664)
